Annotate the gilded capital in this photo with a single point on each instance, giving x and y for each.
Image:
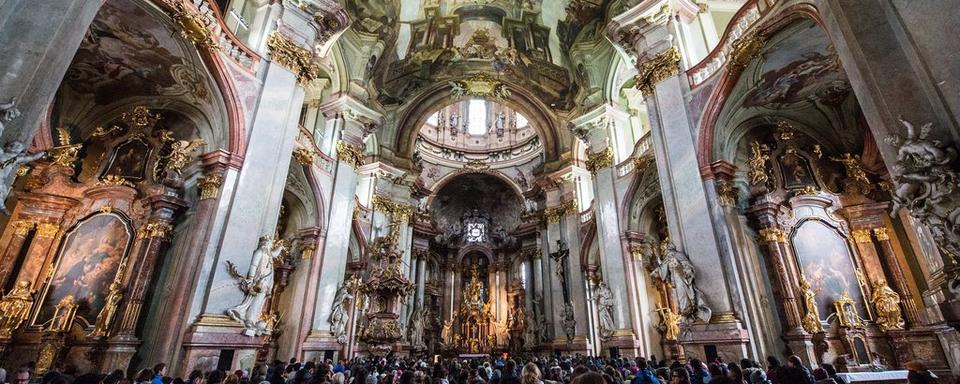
(772, 235)
(599, 160)
(209, 186)
(155, 230)
(657, 69)
(881, 234)
(350, 154)
(291, 56)
(861, 236)
(553, 214)
(47, 230)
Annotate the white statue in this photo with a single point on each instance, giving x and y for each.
(446, 335)
(8, 112)
(338, 316)
(604, 301)
(11, 158)
(417, 317)
(676, 269)
(256, 285)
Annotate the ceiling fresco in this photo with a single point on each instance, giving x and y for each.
(482, 192)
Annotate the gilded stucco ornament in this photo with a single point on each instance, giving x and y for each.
(744, 50)
(114, 180)
(772, 235)
(846, 311)
(599, 160)
(291, 56)
(209, 185)
(193, 26)
(155, 230)
(856, 180)
(179, 156)
(553, 214)
(887, 304)
(303, 156)
(861, 236)
(47, 230)
(727, 192)
(657, 69)
(15, 308)
(350, 154)
(479, 85)
(109, 312)
(758, 164)
(927, 185)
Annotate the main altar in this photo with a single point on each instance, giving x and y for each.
(473, 330)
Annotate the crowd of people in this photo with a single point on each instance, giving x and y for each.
(496, 370)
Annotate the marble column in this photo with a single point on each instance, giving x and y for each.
(38, 40)
(613, 261)
(690, 204)
(350, 116)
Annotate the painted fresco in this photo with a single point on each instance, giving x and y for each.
(795, 67)
(826, 261)
(89, 258)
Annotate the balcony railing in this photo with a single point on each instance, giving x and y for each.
(640, 148)
(227, 42)
(739, 24)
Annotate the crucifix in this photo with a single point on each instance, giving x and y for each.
(560, 258)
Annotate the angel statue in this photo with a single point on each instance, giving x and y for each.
(676, 269)
(179, 155)
(256, 286)
(11, 158)
(457, 89)
(338, 316)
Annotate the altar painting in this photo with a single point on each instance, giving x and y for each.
(826, 261)
(88, 260)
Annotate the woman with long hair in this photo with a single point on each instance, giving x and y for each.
(530, 374)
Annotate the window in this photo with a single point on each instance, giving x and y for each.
(475, 232)
(521, 121)
(434, 119)
(477, 113)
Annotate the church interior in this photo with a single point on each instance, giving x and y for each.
(220, 184)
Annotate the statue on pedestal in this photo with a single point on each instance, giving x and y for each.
(887, 303)
(338, 316)
(604, 301)
(256, 285)
(811, 320)
(109, 311)
(676, 269)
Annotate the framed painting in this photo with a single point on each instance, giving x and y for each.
(88, 260)
(826, 260)
(129, 160)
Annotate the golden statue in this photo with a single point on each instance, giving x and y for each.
(856, 177)
(474, 292)
(63, 315)
(109, 311)
(887, 303)
(811, 320)
(671, 323)
(15, 308)
(758, 164)
(180, 151)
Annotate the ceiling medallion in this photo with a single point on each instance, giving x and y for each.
(480, 85)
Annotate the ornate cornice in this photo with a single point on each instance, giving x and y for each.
(657, 69)
(599, 160)
(399, 211)
(291, 56)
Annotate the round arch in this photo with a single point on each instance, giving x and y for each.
(438, 96)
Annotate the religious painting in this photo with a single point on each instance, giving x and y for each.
(796, 171)
(129, 160)
(828, 265)
(795, 66)
(88, 260)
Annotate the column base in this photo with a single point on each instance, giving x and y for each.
(320, 344)
(580, 344)
(625, 340)
(802, 344)
(211, 335)
(114, 353)
(728, 340)
(926, 345)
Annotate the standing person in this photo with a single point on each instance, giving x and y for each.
(698, 373)
(680, 376)
(21, 376)
(919, 374)
(644, 374)
(145, 376)
(530, 374)
(774, 369)
(796, 372)
(159, 371)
